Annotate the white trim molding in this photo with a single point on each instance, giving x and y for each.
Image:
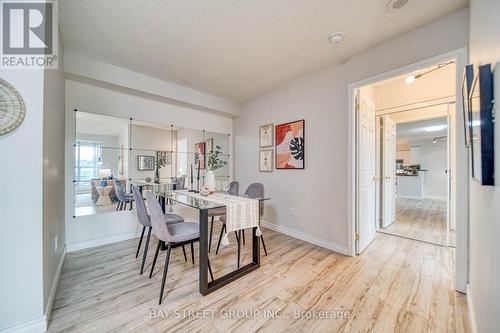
(87, 244)
(472, 313)
(306, 238)
(53, 288)
(37, 325)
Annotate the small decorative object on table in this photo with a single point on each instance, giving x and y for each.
(214, 162)
(205, 191)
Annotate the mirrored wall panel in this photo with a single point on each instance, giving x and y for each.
(113, 153)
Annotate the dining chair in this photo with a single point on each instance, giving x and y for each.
(180, 183)
(145, 220)
(255, 191)
(124, 198)
(169, 236)
(234, 189)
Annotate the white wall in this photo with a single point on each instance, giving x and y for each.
(53, 179)
(21, 255)
(147, 141)
(433, 158)
(435, 85)
(484, 289)
(91, 230)
(318, 194)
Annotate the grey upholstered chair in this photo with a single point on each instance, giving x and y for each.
(234, 189)
(170, 235)
(180, 183)
(124, 198)
(144, 219)
(254, 190)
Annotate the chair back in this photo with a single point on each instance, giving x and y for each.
(234, 188)
(142, 213)
(120, 189)
(256, 190)
(180, 183)
(157, 218)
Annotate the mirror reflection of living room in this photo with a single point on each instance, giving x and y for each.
(100, 146)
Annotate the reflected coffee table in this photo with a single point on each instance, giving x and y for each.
(104, 198)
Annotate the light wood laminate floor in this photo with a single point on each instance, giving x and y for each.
(396, 285)
(421, 219)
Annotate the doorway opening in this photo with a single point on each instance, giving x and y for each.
(404, 170)
(406, 123)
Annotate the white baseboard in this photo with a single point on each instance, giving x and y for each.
(472, 313)
(306, 238)
(53, 288)
(38, 325)
(90, 243)
(409, 197)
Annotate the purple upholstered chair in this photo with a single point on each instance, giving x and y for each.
(170, 235)
(124, 198)
(144, 219)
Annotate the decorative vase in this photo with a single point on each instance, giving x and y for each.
(156, 179)
(210, 180)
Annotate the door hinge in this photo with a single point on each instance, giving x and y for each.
(357, 236)
(356, 107)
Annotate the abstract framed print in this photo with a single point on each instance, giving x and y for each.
(199, 155)
(266, 160)
(266, 136)
(290, 145)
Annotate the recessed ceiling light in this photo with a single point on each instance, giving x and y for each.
(395, 5)
(336, 37)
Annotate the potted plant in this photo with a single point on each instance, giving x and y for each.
(214, 162)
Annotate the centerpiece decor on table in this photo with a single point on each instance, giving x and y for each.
(214, 162)
(161, 161)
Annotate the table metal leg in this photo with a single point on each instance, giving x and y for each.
(209, 287)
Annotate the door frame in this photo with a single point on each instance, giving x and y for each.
(462, 184)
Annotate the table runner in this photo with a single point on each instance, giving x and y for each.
(241, 212)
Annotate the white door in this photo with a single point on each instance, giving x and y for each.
(389, 176)
(366, 173)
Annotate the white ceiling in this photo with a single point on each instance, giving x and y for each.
(416, 130)
(233, 48)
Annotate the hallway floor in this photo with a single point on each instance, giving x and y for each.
(421, 219)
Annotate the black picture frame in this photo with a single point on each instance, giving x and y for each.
(482, 127)
(467, 81)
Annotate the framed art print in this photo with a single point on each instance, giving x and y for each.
(482, 127)
(266, 136)
(290, 145)
(145, 163)
(266, 160)
(199, 155)
(209, 145)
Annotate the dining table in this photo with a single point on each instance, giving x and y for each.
(204, 205)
